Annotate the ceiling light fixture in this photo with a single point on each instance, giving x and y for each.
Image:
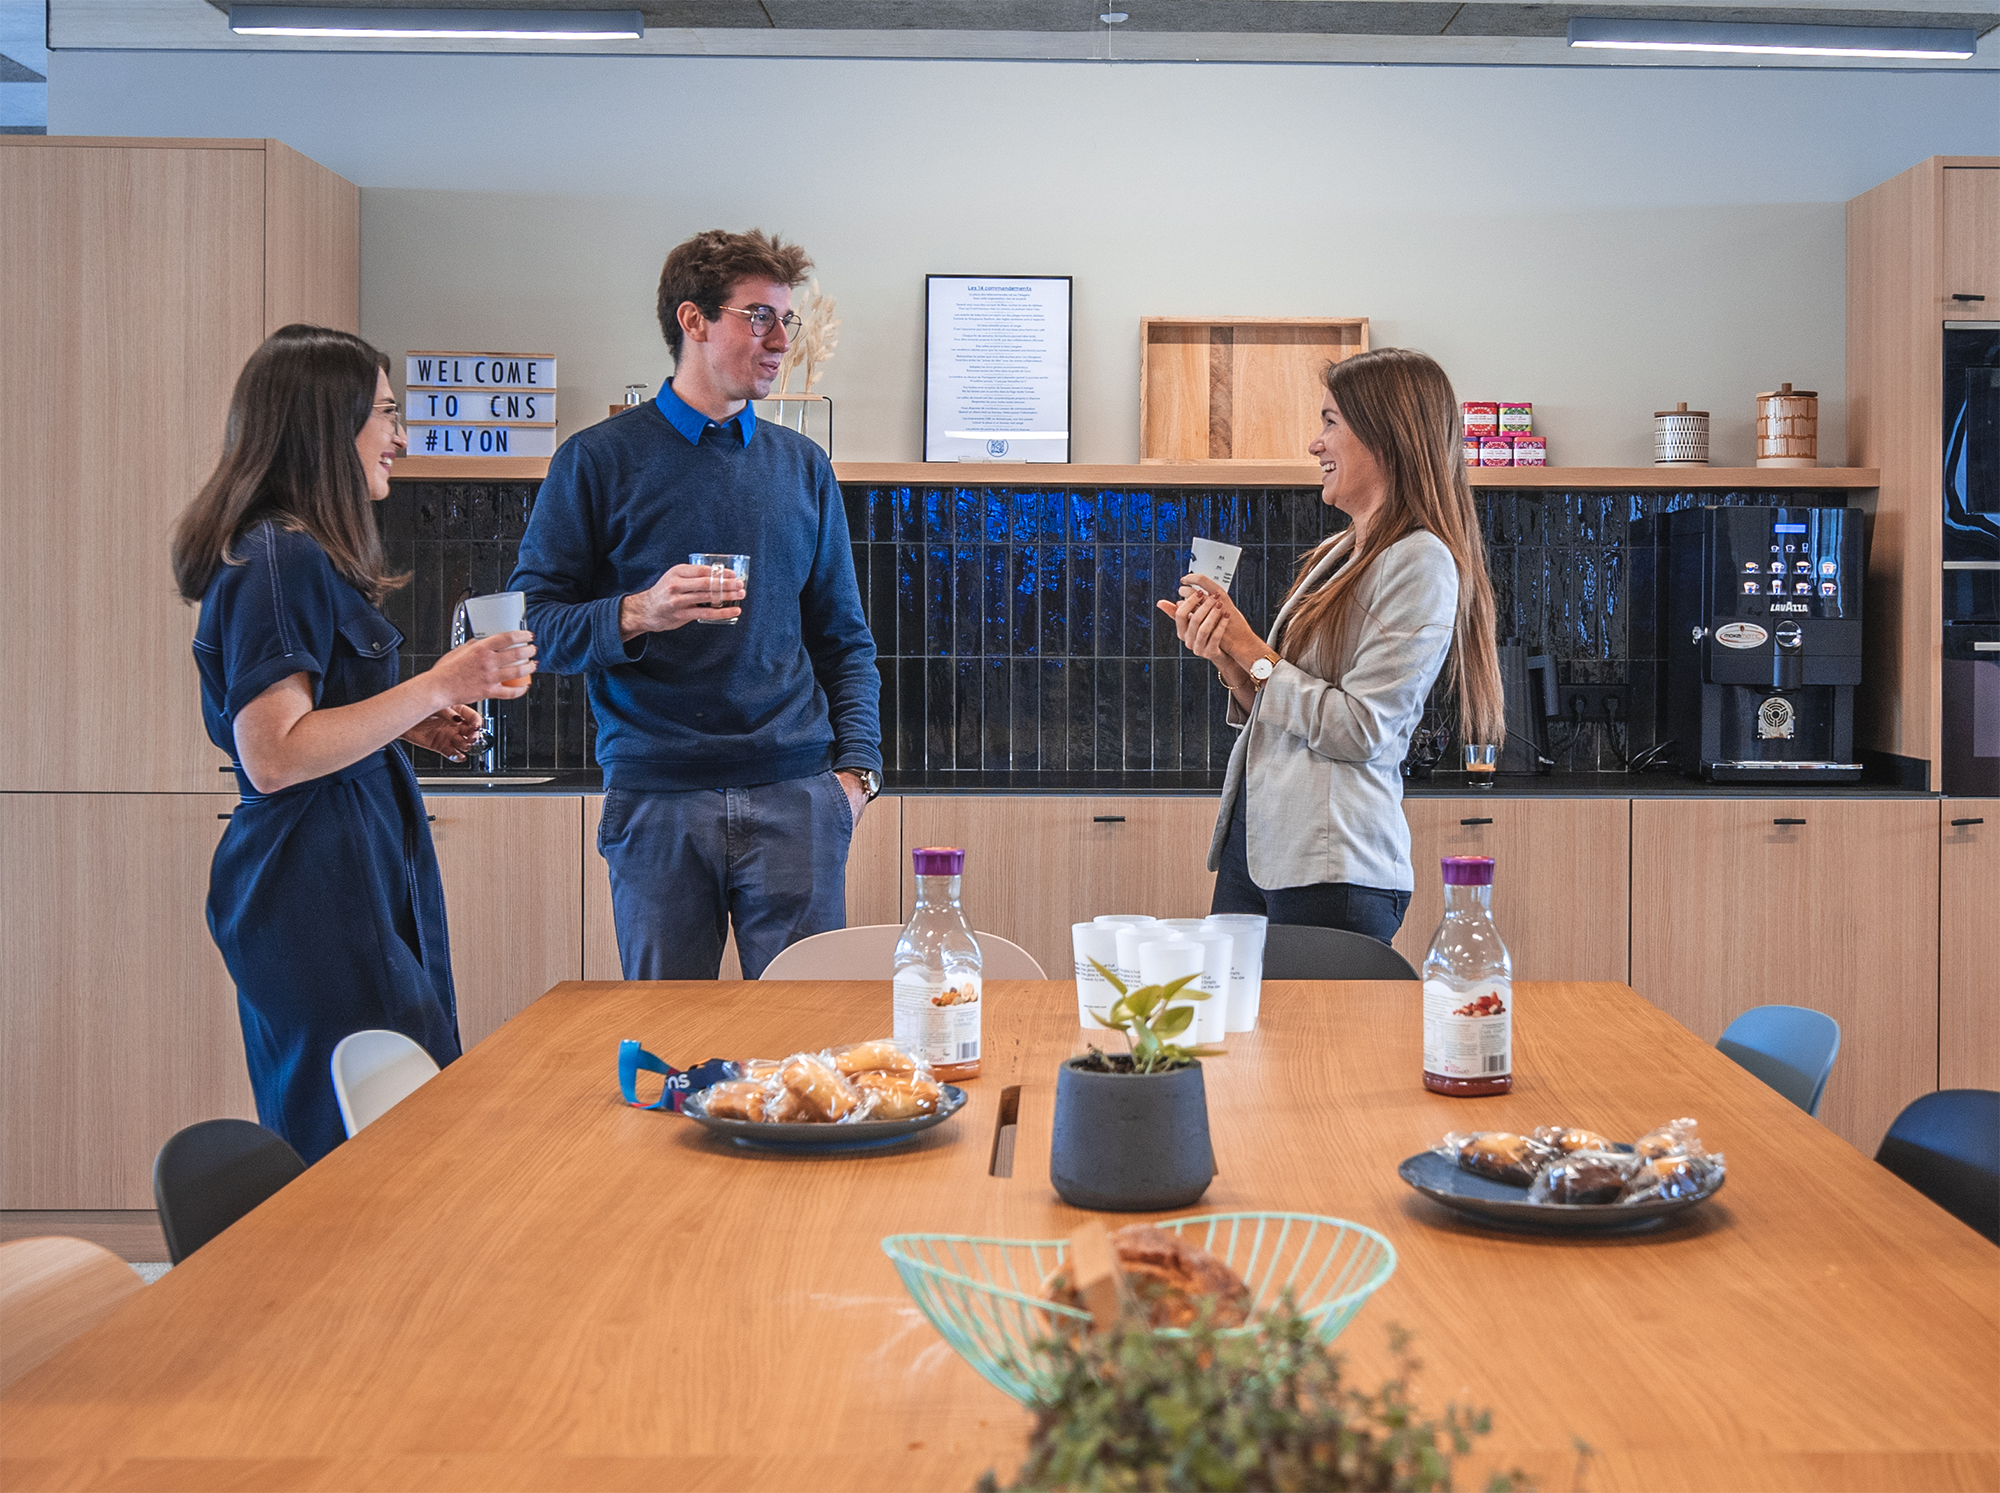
(1783, 41)
(450, 25)
(1114, 17)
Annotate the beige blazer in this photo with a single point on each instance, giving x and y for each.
(1318, 766)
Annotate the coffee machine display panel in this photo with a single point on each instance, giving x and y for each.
(1760, 633)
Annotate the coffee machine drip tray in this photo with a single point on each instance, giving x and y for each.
(1756, 772)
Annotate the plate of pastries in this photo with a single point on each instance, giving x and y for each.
(1569, 1178)
(862, 1095)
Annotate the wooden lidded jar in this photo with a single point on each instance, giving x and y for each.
(1788, 428)
(1680, 437)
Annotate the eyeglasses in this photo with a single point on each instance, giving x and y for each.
(395, 417)
(763, 318)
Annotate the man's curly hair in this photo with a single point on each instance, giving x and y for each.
(703, 270)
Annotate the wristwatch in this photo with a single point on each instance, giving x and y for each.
(1260, 672)
(871, 782)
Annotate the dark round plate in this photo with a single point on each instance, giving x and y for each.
(1443, 1180)
(862, 1135)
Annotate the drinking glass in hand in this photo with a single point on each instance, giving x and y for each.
(718, 567)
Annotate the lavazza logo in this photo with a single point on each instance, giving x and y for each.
(1791, 606)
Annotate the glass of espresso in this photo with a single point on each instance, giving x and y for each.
(1480, 763)
(719, 567)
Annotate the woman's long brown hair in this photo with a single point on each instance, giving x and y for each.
(288, 454)
(1400, 405)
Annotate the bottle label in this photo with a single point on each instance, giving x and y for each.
(1469, 1033)
(937, 1014)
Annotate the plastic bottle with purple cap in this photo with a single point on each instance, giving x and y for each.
(1468, 989)
(937, 989)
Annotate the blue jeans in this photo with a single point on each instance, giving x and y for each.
(771, 858)
(1375, 911)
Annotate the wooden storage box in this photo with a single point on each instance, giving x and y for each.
(1241, 388)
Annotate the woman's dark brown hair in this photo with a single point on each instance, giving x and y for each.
(288, 454)
(1400, 405)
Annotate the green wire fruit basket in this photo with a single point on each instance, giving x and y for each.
(988, 1297)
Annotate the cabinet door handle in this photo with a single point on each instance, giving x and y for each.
(1107, 818)
(1963, 297)
(430, 819)
(1788, 821)
(1475, 821)
(222, 816)
(1959, 823)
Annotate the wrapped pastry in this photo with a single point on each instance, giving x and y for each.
(739, 1099)
(1586, 1177)
(1672, 1136)
(879, 1056)
(1570, 1138)
(1498, 1154)
(825, 1093)
(784, 1107)
(898, 1096)
(759, 1070)
(1171, 1280)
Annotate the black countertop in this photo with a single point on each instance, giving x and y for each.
(1150, 784)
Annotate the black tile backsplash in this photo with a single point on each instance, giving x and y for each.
(1016, 626)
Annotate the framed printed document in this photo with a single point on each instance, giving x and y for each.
(996, 367)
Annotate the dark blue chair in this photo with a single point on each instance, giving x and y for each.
(1947, 1146)
(211, 1174)
(1790, 1047)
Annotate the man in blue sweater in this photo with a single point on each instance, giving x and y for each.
(737, 759)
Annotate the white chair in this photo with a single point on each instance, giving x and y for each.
(869, 953)
(51, 1290)
(373, 1072)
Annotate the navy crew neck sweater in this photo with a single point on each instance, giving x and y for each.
(790, 690)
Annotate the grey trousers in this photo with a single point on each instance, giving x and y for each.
(772, 859)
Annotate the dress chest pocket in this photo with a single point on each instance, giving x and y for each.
(364, 661)
(370, 634)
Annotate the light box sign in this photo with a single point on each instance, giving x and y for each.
(482, 406)
(482, 440)
(479, 371)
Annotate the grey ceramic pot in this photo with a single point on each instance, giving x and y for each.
(1130, 1142)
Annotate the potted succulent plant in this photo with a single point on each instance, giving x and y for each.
(1131, 1128)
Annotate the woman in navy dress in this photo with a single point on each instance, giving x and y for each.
(324, 896)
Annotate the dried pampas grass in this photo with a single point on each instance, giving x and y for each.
(818, 334)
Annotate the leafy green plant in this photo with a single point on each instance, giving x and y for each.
(1147, 1021)
(1135, 1409)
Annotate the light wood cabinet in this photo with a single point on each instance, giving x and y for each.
(1971, 242)
(1969, 944)
(135, 279)
(1561, 879)
(873, 893)
(1035, 865)
(1827, 903)
(118, 1022)
(512, 866)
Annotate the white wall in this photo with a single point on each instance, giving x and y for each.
(1603, 242)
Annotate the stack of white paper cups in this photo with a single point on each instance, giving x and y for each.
(1097, 941)
(1163, 960)
(1246, 964)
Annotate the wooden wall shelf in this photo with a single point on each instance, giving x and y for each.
(1223, 388)
(1215, 474)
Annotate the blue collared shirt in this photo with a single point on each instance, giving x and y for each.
(691, 422)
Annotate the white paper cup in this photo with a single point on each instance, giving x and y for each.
(503, 611)
(1211, 1017)
(1184, 925)
(1130, 936)
(1090, 941)
(1165, 959)
(1125, 917)
(1215, 560)
(1246, 965)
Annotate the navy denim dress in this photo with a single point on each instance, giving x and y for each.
(324, 897)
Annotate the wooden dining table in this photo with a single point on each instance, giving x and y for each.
(514, 1280)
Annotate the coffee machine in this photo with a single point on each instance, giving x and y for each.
(1746, 632)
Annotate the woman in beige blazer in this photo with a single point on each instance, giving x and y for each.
(1312, 829)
